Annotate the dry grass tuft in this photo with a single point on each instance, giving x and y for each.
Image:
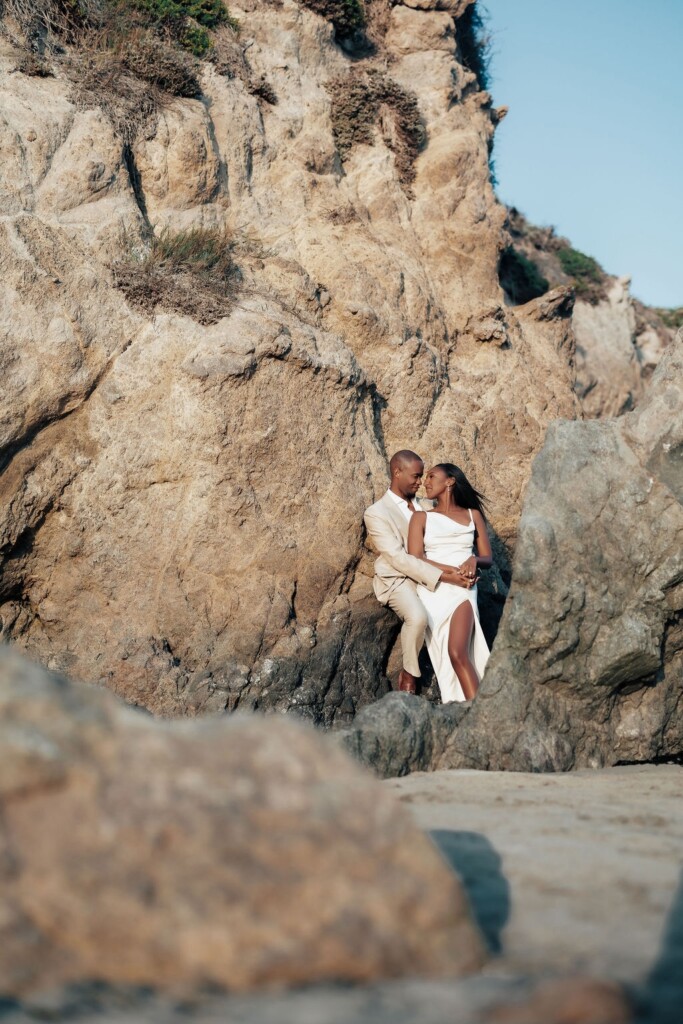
(33, 64)
(191, 272)
(130, 72)
(228, 56)
(156, 61)
(346, 213)
(124, 55)
(100, 77)
(41, 20)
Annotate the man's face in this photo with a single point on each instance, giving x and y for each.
(408, 477)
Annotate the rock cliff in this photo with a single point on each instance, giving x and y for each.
(181, 500)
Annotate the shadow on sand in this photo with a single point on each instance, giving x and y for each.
(479, 866)
(661, 998)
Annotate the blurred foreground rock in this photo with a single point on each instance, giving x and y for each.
(587, 668)
(573, 878)
(475, 1000)
(240, 852)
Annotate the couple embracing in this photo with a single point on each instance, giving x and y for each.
(427, 571)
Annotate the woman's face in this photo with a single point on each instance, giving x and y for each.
(435, 483)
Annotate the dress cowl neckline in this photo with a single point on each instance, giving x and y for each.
(433, 516)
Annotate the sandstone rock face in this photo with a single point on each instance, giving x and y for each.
(587, 668)
(619, 340)
(244, 852)
(616, 352)
(182, 505)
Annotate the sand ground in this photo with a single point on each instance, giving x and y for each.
(580, 871)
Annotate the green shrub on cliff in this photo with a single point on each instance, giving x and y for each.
(208, 13)
(347, 16)
(587, 274)
(187, 21)
(474, 42)
(671, 318)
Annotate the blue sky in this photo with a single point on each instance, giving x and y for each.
(593, 141)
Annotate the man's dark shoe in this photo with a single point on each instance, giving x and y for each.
(406, 682)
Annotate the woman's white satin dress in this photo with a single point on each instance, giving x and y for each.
(450, 543)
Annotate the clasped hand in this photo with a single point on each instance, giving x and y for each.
(469, 567)
(464, 575)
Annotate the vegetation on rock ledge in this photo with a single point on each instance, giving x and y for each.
(671, 318)
(113, 51)
(554, 258)
(474, 43)
(347, 16)
(587, 275)
(190, 272)
(520, 277)
(358, 101)
(103, 24)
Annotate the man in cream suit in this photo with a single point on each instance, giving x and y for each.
(397, 572)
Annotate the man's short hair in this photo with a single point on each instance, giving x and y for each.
(401, 458)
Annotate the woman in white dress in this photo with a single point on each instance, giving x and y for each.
(453, 534)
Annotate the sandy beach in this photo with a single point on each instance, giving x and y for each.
(572, 872)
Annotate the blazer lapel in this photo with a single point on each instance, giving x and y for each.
(396, 516)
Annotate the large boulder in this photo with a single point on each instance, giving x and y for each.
(239, 852)
(587, 667)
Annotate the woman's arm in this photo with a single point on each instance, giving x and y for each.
(482, 543)
(416, 540)
(416, 534)
(386, 542)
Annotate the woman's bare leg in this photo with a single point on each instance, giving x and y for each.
(459, 636)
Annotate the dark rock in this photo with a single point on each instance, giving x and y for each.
(402, 733)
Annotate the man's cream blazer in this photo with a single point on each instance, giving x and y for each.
(388, 531)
